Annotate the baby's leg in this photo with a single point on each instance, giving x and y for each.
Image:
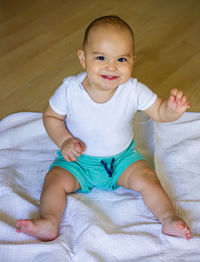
(58, 182)
(139, 177)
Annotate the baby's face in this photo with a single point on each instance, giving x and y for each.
(108, 58)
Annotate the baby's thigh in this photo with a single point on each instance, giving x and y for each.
(61, 178)
(137, 175)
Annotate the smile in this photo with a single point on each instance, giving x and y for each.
(107, 77)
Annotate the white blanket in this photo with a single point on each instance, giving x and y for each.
(102, 226)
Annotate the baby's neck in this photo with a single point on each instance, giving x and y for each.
(98, 95)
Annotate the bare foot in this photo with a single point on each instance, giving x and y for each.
(42, 228)
(174, 226)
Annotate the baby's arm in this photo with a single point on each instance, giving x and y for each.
(55, 126)
(169, 109)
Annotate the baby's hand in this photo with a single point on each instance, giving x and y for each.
(178, 102)
(72, 148)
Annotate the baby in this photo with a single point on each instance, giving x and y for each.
(89, 118)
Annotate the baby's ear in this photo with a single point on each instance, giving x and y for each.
(81, 56)
(134, 58)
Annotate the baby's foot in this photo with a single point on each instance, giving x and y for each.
(174, 226)
(42, 228)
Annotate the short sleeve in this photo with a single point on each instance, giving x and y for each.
(144, 96)
(58, 101)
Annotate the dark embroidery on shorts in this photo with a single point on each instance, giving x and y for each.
(108, 170)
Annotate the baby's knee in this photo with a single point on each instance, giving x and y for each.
(150, 175)
(149, 179)
(145, 180)
(53, 177)
(61, 178)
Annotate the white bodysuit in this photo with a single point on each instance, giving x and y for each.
(104, 128)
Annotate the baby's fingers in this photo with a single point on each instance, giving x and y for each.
(73, 156)
(179, 96)
(66, 157)
(70, 157)
(184, 102)
(174, 92)
(80, 147)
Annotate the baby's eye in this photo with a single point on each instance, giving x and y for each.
(101, 58)
(122, 59)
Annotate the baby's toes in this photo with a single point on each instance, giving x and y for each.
(188, 234)
(185, 229)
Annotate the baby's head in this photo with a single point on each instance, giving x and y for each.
(108, 52)
(111, 22)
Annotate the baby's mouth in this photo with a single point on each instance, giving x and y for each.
(109, 77)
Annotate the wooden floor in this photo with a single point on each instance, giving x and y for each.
(39, 40)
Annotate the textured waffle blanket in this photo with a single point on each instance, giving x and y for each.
(102, 226)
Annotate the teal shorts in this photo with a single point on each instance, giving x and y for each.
(99, 172)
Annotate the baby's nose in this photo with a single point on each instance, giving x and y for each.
(111, 66)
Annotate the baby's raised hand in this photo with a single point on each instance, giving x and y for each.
(72, 148)
(178, 102)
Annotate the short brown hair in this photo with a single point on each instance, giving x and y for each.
(111, 20)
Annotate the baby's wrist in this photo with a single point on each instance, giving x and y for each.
(66, 141)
